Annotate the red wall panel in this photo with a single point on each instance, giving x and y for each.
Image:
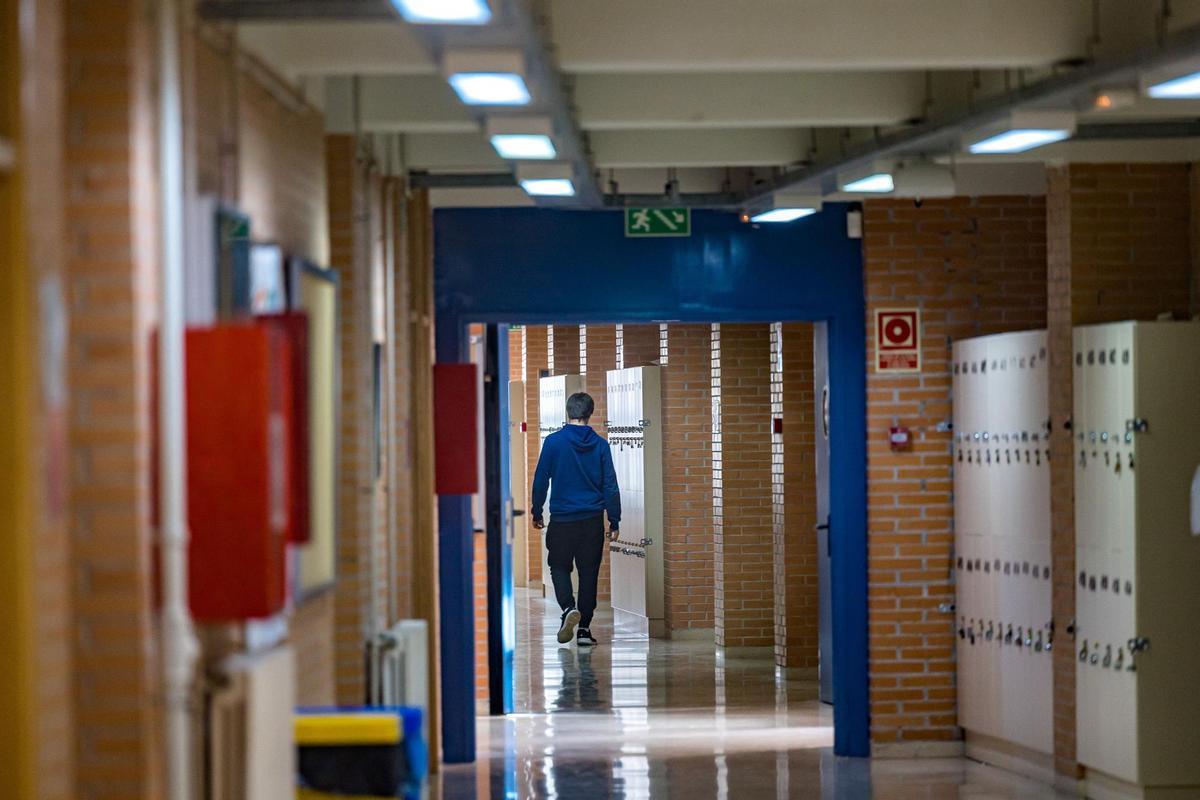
(455, 429)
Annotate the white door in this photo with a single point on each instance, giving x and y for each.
(517, 480)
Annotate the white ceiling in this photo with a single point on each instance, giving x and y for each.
(717, 85)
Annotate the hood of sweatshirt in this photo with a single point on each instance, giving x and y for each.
(582, 437)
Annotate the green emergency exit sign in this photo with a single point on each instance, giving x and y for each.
(658, 222)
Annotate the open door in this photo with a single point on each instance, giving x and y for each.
(824, 562)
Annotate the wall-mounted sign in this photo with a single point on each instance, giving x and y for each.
(898, 340)
(658, 222)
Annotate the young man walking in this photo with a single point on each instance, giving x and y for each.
(579, 465)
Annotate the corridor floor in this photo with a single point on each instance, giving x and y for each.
(639, 718)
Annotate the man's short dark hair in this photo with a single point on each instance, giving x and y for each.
(580, 406)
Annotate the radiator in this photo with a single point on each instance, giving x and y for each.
(398, 660)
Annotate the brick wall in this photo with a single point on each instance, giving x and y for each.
(687, 421)
(563, 349)
(1119, 247)
(744, 603)
(346, 178)
(794, 496)
(311, 631)
(111, 256)
(536, 344)
(640, 344)
(973, 266)
(479, 580)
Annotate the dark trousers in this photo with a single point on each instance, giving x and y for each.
(579, 543)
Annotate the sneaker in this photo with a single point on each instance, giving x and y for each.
(566, 630)
(585, 638)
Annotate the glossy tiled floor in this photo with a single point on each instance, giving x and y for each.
(639, 718)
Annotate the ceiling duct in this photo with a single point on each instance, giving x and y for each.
(923, 178)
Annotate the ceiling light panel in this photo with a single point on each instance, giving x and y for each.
(522, 138)
(487, 77)
(1183, 87)
(444, 12)
(873, 183)
(1021, 131)
(546, 180)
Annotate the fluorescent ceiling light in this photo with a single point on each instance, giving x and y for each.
(1020, 140)
(518, 146)
(783, 215)
(879, 182)
(444, 12)
(1182, 87)
(1021, 131)
(549, 187)
(522, 138)
(487, 77)
(546, 179)
(490, 88)
(787, 207)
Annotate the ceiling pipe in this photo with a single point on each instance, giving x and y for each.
(941, 135)
(291, 10)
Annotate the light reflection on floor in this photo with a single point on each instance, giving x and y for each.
(638, 719)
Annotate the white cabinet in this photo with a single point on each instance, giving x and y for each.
(635, 435)
(1002, 538)
(1137, 562)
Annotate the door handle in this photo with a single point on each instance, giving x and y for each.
(518, 512)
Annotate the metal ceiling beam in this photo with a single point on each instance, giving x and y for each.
(294, 10)
(1166, 129)
(940, 135)
(515, 24)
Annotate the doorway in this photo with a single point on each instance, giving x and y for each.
(725, 271)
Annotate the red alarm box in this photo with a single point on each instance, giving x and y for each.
(239, 399)
(294, 325)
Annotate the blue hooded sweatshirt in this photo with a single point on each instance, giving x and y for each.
(580, 464)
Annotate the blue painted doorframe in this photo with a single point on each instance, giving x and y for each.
(540, 266)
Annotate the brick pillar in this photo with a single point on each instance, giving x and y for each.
(563, 343)
(599, 355)
(1118, 247)
(640, 344)
(794, 495)
(356, 550)
(688, 480)
(112, 256)
(744, 603)
(536, 343)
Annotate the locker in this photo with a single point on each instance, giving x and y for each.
(553, 392)
(1002, 538)
(1136, 448)
(635, 435)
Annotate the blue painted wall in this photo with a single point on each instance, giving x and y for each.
(547, 266)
